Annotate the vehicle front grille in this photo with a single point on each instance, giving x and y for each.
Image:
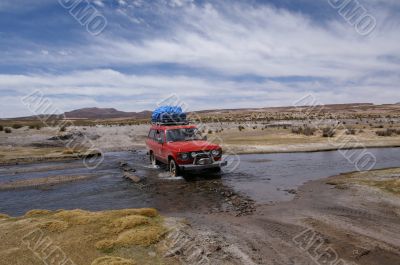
(203, 158)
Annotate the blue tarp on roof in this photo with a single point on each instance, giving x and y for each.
(168, 114)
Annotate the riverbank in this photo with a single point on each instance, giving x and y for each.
(359, 226)
(49, 144)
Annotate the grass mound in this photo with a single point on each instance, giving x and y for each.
(387, 180)
(4, 216)
(84, 236)
(54, 226)
(37, 213)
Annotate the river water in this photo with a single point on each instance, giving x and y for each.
(263, 177)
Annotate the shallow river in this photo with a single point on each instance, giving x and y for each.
(264, 178)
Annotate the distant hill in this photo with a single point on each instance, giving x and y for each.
(112, 113)
(105, 113)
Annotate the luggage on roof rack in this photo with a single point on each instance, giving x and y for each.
(169, 115)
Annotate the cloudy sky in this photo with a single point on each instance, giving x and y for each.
(212, 54)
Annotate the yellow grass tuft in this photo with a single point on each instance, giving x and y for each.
(81, 234)
(130, 221)
(149, 212)
(108, 260)
(77, 217)
(4, 216)
(54, 226)
(143, 236)
(71, 151)
(140, 236)
(37, 213)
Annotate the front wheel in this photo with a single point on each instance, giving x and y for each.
(173, 168)
(216, 170)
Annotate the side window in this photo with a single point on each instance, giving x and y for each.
(158, 135)
(162, 135)
(152, 133)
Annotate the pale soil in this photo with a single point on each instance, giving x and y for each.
(32, 145)
(41, 182)
(359, 223)
(247, 141)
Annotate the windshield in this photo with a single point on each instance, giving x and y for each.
(184, 134)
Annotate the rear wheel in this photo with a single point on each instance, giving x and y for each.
(153, 159)
(173, 168)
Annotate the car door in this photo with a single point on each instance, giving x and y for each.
(150, 140)
(157, 144)
(163, 147)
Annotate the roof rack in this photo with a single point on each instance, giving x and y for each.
(171, 123)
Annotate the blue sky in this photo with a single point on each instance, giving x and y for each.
(212, 54)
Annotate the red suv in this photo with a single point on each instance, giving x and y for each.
(182, 148)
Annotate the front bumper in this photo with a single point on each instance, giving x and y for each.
(193, 167)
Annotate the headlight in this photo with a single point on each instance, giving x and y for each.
(193, 154)
(215, 152)
(184, 156)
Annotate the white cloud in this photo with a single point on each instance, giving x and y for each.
(109, 88)
(230, 40)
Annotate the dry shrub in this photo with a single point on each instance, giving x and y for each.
(1, 128)
(7, 130)
(328, 132)
(37, 213)
(306, 130)
(388, 132)
(17, 126)
(351, 132)
(109, 260)
(36, 126)
(297, 130)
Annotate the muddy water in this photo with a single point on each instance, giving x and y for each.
(270, 177)
(263, 178)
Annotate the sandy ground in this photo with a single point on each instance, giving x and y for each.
(247, 141)
(359, 226)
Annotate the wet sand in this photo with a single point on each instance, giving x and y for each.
(360, 225)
